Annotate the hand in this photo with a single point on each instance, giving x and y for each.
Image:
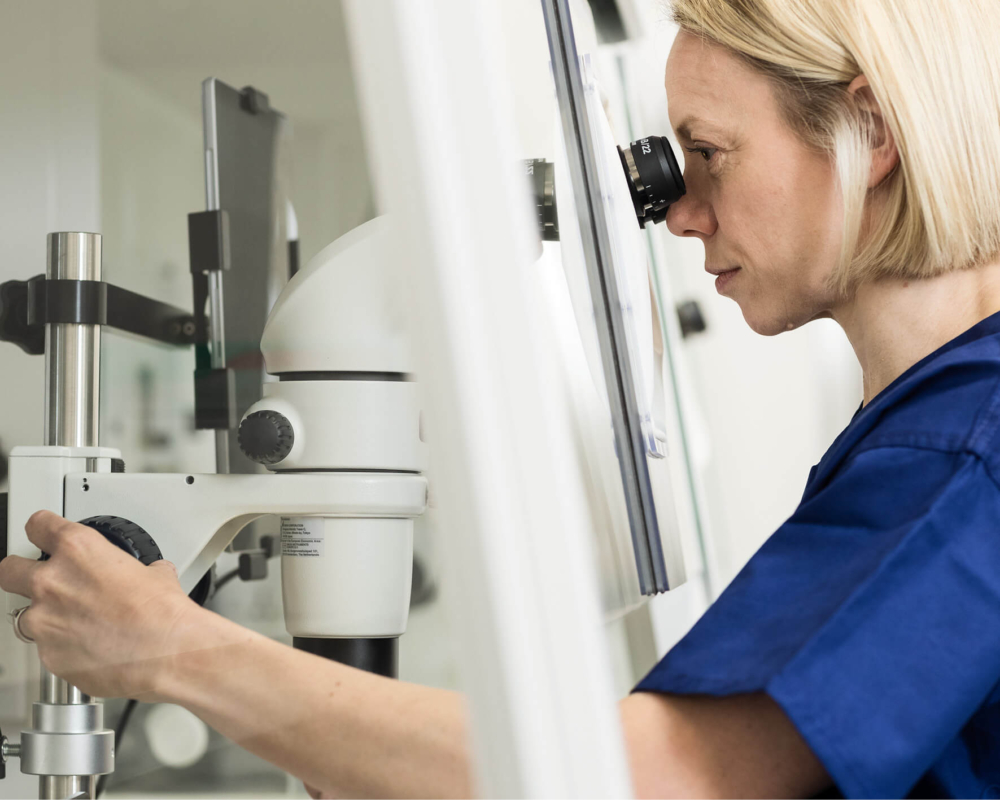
(101, 620)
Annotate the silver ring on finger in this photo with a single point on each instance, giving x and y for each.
(15, 621)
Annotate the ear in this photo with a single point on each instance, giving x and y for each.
(885, 155)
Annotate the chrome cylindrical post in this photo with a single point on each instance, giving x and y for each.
(72, 352)
(72, 409)
(217, 341)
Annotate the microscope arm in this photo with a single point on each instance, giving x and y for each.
(193, 517)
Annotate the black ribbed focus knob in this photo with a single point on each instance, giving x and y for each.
(125, 535)
(266, 437)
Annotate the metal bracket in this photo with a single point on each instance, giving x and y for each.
(611, 328)
(8, 749)
(214, 399)
(14, 325)
(254, 101)
(193, 517)
(27, 306)
(208, 241)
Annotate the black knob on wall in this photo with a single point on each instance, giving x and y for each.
(690, 318)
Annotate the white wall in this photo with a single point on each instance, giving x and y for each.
(48, 164)
(151, 178)
(48, 119)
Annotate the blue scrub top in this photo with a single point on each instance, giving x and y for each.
(872, 616)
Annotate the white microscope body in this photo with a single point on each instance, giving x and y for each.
(344, 403)
(340, 431)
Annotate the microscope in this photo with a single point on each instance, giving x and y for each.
(338, 429)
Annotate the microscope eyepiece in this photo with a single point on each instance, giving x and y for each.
(654, 179)
(541, 173)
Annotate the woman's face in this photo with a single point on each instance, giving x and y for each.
(766, 206)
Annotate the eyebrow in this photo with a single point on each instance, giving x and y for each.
(683, 129)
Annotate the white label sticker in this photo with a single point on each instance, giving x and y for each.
(302, 536)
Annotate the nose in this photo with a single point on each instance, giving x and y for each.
(692, 214)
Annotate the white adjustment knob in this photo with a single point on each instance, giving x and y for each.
(176, 737)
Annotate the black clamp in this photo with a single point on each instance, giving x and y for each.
(214, 399)
(208, 241)
(26, 307)
(214, 389)
(254, 101)
(14, 325)
(253, 563)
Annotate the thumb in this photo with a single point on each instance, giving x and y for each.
(163, 564)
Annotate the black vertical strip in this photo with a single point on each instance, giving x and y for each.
(293, 257)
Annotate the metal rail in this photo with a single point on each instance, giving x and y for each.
(611, 332)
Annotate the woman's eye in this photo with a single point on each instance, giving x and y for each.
(705, 152)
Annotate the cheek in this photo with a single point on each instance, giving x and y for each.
(779, 216)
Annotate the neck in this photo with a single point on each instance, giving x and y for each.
(892, 324)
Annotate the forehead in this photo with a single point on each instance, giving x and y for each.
(708, 85)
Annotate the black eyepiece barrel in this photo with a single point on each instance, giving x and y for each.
(654, 179)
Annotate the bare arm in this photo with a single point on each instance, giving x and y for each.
(116, 628)
(340, 729)
(699, 746)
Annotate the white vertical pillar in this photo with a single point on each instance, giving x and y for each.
(519, 574)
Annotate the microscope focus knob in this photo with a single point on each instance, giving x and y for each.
(266, 437)
(124, 535)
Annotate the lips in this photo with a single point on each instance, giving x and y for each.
(723, 277)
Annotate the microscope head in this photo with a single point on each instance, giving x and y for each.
(344, 398)
(336, 315)
(344, 401)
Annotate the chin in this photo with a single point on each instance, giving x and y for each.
(770, 324)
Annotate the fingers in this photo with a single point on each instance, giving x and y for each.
(45, 530)
(17, 575)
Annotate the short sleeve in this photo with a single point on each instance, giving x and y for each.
(872, 617)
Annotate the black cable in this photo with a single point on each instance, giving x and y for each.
(131, 705)
(119, 733)
(426, 593)
(232, 574)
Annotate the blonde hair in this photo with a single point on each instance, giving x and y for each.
(933, 68)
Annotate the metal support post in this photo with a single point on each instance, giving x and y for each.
(72, 408)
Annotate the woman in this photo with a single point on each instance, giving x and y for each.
(843, 160)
